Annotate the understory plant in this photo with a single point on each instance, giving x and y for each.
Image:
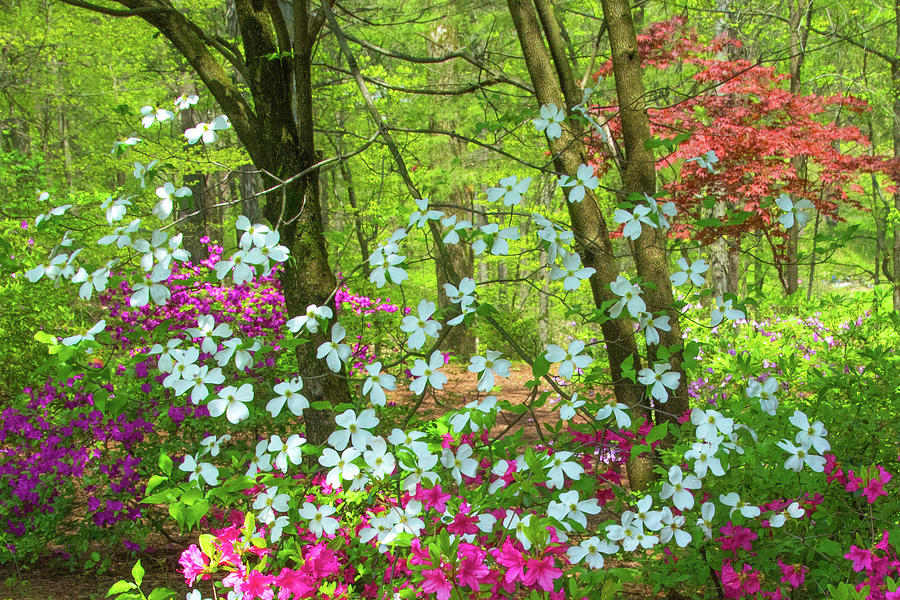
(769, 486)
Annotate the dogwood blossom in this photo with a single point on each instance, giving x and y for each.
(353, 427)
(678, 488)
(707, 513)
(270, 502)
(591, 551)
(632, 220)
(765, 393)
(212, 444)
(261, 461)
(550, 120)
(571, 506)
(791, 511)
(569, 359)
(627, 532)
(209, 331)
(703, 455)
(616, 408)
(510, 190)
(334, 352)
(460, 463)
(428, 373)
(660, 378)
(488, 366)
(376, 383)
(342, 466)
(733, 500)
(800, 455)
(584, 180)
(572, 272)
(380, 461)
(561, 466)
(168, 195)
(693, 272)
(456, 226)
(233, 402)
(652, 326)
(206, 471)
(421, 217)
(672, 527)
(185, 101)
(569, 406)
(310, 321)
(319, 518)
(422, 326)
(207, 131)
(499, 239)
(287, 451)
(793, 211)
(630, 296)
(384, 261)
(724, 310)
(810, 435)
(153, 114)
(710, 423)
(287, 394)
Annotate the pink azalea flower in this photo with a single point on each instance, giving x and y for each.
(432, 498)
(435, 582)
(257, 585)
(542, 572)
(793, 574)
(462, 523)
(861, 557)
(294, 584)
(873, 489)
(735, 536)
(508, 556)
(471, 571)
(321, 562)
(193, 563)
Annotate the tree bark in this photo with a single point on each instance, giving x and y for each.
(282, 147)
(460, 340)
(588, 224)
(895, 135)
(798, 10)
(651, 257)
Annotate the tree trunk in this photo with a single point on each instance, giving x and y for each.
(587, 222)
(460, 340)
(651, 257)
(284, 147)
(895, 135)
(358, 223)
(798, 10)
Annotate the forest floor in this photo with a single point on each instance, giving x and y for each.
(43, 582)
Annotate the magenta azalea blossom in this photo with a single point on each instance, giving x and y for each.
(542, 573)
(436, 582)
(193, 563)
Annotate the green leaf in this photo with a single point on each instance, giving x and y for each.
(657, 433)
(162, 497)
(638, 450)
(153, 482)
(137, 572)
(161, 594)
(540, 367)
(830, 547)
(165, 464)
(207, 544)
(120, 586)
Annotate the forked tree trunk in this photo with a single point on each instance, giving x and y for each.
(587, 221)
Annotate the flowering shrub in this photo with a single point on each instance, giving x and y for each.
(755, 496)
